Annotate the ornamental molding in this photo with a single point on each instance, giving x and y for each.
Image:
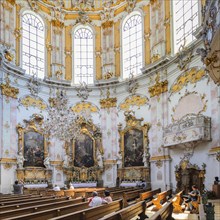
(161, 158)
(33, 101)
(134, 100)
(108, 103)
(188, 131)
(158, 88)
(83, 91)
(8, 90)
(84, 106)
(191, 76)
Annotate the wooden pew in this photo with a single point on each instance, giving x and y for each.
(195, 204)
(69, 193)
(27, 204)
(161, 198)
(128, 213)
(30, 199)
(17, 198)
(93, 213)
(165, 213)
(77, 212)
(149, 195)
(119, 194)
(37, 208)
(131, 195)
(177, 202)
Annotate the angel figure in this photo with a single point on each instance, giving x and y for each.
(20, 160)
(47, 162)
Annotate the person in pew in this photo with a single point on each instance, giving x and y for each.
(56, 188)
(107, 198)
(96, 200)
(191, 197)
(18, 187)
(71, 186)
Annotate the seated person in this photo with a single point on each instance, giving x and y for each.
(56, 188)
(107, 198)
(96, 200)
(192, 196)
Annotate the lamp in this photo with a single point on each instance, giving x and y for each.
(61, 121)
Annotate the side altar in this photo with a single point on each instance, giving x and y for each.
(83, 162)
(33, 165)
(134, 158)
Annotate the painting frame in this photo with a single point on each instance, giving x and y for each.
(33, 130)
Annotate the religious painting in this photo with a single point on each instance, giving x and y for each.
(84, 151)
(133, 148)
(33, 149)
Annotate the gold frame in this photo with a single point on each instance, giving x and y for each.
(34, 124)
(133, 123)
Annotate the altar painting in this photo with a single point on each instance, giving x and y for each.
(84, 149)
(33, 149)
(133, 148)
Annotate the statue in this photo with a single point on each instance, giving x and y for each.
(119, 160)
(99, 159)
(47, 162)
(145, 160)
(20, 160)
(66, 161)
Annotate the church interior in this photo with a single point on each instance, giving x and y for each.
(141, 110)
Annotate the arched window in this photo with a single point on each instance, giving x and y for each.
(83, 55)
(186, 20)
(33, 45)
(132, 45)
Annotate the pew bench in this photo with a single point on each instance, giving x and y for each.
(148, 196)
(177, 202)
(93, 213)
(161, 198)
(27, 204)
(165, 213)
(196, 203)
(37, 208)
(129, 197)
(128, 213)
(51, 213)
(119, 194)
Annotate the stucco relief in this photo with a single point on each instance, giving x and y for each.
(185, 105)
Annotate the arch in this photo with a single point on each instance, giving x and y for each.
(132, 44)
(33, 44)
(83, 54)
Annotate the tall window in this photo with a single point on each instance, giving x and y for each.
(83, 56)
(132, 47)
(186, 20)
(33, 45)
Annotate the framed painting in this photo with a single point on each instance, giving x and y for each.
(84, 151)
(32, 142)
(133, 148)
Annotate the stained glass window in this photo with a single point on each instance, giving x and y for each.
(33, 44)
(83, 56)
(132, 45)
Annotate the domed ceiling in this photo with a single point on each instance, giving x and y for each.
(88, 5)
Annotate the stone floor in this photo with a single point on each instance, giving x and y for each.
(216, 203)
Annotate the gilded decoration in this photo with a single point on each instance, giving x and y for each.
(159, 164)
(108, 103)
(158, 88)
(191, 76)
(84, 106)
(8, 90)
(134, 100)
(83, 160)
(32, 150)
(32, 101)
(134, 148)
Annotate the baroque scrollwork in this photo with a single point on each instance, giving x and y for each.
(191, 76)
(8, 90)
(158, 88)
